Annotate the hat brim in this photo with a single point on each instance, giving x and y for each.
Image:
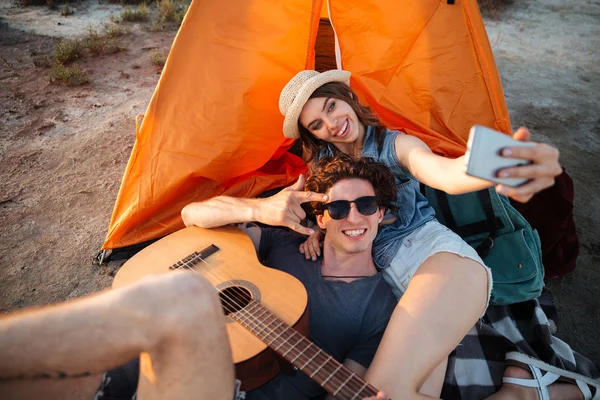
(290, 123)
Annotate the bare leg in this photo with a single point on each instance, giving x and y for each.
(176, 319)
(443, 301)
(433, 384)
(194, 360)
(68, 388)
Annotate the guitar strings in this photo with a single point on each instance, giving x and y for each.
(354, 387)
(241, 309)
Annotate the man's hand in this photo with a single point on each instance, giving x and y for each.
(284, 208)
(542, 171)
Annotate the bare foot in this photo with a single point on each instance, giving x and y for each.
(557, 391)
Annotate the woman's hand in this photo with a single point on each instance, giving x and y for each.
(312, 247)
(380, 396)
(542, 171)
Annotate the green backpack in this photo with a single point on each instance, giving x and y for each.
(500, 235)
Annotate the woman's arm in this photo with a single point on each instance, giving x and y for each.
(449, 174)
(446, 174)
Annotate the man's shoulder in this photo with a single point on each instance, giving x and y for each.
(281, 242)
(268, 238)
(283, 235)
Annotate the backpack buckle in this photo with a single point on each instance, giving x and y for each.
(484, 247)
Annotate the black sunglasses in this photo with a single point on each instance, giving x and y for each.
(339, 209)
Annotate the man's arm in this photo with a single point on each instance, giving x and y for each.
(220, 211)
(281, 209)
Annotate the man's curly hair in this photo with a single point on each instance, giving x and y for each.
(331, 170)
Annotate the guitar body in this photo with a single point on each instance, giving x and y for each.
(232, 267)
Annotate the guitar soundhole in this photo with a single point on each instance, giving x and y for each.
(234, 298)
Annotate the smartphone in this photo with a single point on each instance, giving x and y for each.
(483, 157)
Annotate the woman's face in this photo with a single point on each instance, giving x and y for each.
(332, 120)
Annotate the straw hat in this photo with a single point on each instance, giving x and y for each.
(297, 92)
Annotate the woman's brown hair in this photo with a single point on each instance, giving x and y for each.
(337, 90)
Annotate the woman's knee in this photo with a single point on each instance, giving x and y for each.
(461, 271)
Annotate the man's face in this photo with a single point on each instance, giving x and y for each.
(355, 232)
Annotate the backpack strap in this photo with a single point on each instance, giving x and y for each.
(486, 245)
(444, 205)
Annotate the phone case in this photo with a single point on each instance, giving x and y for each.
(483, 159)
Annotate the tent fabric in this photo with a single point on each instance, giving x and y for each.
(425, 67)
(213, 126)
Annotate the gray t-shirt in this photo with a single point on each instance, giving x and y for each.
(347, 320)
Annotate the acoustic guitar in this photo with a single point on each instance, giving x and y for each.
(261, 306)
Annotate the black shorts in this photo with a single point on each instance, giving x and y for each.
(120, 383)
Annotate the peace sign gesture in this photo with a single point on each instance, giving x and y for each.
(284, 208)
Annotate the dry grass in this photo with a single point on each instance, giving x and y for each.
(157, 26)
(52, 4)
(135, 15)
(158, 58)
(113, 30)
(171, 11)
(113, 46)
(179, 15)
(94, 42)
(167, 9)
(42, 61)
(97, 43)
(67, 51)
(128, 2)
(65, 10)
(69, 76)
(493, 8)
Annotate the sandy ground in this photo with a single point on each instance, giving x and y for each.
(63, 150)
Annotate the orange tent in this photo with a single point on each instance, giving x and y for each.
(213, 125)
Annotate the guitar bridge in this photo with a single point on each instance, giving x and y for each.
(193, 258)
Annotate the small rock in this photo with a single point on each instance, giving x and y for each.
(39, 104)
(45, 126)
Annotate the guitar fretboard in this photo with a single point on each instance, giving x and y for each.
(302, 353)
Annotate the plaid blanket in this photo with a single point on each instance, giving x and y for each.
(476, 367)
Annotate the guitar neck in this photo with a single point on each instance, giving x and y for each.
(322, 368)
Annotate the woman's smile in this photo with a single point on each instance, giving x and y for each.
(343, 130)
